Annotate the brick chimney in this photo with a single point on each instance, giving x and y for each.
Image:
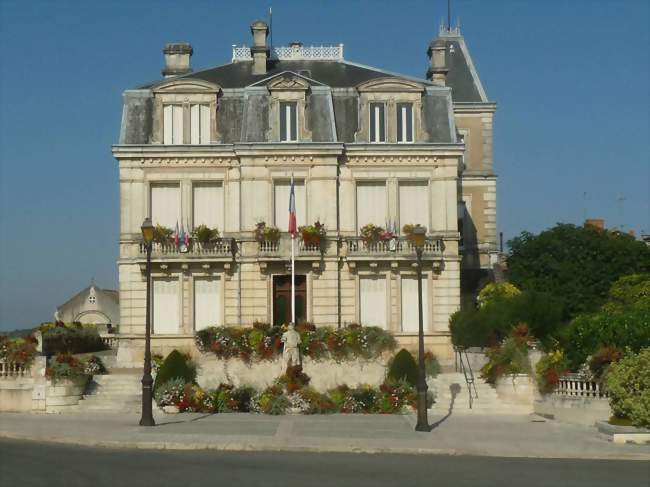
(177, 59)
(437, 72)
(259, 50)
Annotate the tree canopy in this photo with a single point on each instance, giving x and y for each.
(576, 265)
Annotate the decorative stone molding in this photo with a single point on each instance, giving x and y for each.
(188, 161)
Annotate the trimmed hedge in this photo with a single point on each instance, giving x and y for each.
(175, 366)
(403, 367)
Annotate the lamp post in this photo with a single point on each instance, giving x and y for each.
(419, 237)
(147, 380)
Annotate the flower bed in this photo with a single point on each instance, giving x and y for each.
(65, 366)
(20, 351)
(263, 342)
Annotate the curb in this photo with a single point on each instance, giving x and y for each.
(252, 447)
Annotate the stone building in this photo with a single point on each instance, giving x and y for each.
(218, 147)
(91, 305)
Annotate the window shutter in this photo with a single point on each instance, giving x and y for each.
(168, 124)
(414, 203)
(208, 205)
(373, 121)
(195, 124)
(207, 303)
(177, 124)
(371, 203)
(283, 121)
(409, 123)
(410, 318)
(372, 300)
(205, 124)
(165, 205)
(166, 316)
(382, 124)
(294, 121)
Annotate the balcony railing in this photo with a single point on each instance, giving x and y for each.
(282, 248)
(575, 385)
(400, 246)
(213, 249)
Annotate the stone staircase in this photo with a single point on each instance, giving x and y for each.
(450, 386)
(118, 391)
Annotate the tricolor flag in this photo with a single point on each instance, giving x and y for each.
(293, 228)
(176, 236)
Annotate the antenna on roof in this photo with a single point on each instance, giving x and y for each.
(448, 15)
(270, 27)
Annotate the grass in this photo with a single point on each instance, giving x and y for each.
(620, 421)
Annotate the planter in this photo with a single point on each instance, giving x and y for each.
(517, 389)
(171, 409)
(624, 434)
(64, 393)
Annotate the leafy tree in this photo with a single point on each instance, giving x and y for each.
(577, 265)
(628, 384)
(628, 290)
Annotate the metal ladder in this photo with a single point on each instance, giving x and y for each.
(462, 361)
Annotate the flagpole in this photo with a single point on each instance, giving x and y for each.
(293, 279)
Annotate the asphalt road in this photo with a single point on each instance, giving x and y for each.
(25, 463)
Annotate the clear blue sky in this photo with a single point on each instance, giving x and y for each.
(570, 78)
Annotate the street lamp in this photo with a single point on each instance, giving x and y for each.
(147, 380)
(419, 237)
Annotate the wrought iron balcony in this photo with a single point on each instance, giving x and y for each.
(395, 247)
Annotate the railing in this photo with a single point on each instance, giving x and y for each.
(295, 52)
(575, 385)
(269, 248)
(12, 370)
(461, 357)
(220, 248)
(395, 246)
(311, 249)
(282, 248)
(111, 341)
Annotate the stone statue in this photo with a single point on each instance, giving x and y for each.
(57, 316)
(291, 340)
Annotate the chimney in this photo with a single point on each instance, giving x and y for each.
(260, 50)
(177, 59)
(437, 71)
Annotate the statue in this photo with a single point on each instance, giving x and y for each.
(291, 340)
(57, 316)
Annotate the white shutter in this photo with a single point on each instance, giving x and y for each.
(414, 203)
(195, 124)
(165, 205)
(168, 124)
(281, 204)
(410, 319)
(208, 205)
(166, 315)
(177, 124)
(371, 203)
(372, 300)
(205, 124)
(207, 303)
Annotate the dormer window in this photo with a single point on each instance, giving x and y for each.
(377, 123)
(288, 122)
(404, 122)
(199, 124)
(173, 124)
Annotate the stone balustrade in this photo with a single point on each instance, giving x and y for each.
(575, 385)
(13, 370)
(111, 341)
(194, 249)
(399, 246)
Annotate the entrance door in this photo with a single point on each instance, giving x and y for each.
(282, 299)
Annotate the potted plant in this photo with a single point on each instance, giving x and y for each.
(162, 234)
(313, 235)
(205, 235)
(371, 234)
(265, 233)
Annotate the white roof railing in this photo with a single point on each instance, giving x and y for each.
(295, 52)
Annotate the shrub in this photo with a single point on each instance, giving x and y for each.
(265, 233)
(205, 234)
(70, 338)
(586, 334)
(395, 397)
(628, 385)
(511, 357)
(170, 393)
(65, 367)
(18, 350)
(162, 234)
(294, 379)
(496, 290)
(627, 291)
(175, 366)
(93, 365)
(370, 233)
(403, 367)
(271, 401)
(549, 369)
(602, 360)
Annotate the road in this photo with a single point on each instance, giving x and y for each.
(24, 463)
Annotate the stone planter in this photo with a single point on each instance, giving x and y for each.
(62, 394)
(517, 389)
(171, 409)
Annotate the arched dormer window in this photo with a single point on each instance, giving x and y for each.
(185, 112)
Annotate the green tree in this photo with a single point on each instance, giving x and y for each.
(577, 265)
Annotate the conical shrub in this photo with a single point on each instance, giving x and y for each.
(403, 367)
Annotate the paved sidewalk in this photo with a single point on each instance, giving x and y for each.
(457, 434)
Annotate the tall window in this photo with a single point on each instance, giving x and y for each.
(166, 309)
(410, 317)
(199, 124)
(404, 122)
(371, 203)
(208, 205)
(281, 203)
(207, 303)
(372, 301)
(173, 124)
(165, 204)
(288, 122)
(414, 203)
(377, 123)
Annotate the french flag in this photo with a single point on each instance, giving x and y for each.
(176, 236)
(293, 228)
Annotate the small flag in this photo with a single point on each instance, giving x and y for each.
(293, 229)
(186, 237)
(176, 236)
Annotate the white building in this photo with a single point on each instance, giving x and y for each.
(218, 148)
